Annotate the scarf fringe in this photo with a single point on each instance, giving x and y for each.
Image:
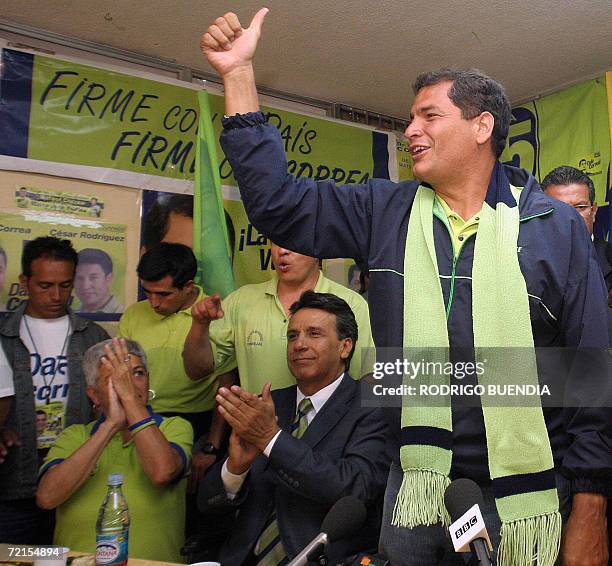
(420, 499)
(531, 541)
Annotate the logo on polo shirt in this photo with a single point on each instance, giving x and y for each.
(255, 338)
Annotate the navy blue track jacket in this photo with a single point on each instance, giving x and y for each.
(369, 222)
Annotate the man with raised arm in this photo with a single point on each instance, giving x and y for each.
(252, 332)
(471, 257)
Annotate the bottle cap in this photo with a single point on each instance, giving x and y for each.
(115, 479)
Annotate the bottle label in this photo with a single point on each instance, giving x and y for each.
(112, 549)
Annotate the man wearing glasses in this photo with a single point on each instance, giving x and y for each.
(575, 188)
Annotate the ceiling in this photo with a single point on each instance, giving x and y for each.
(363, 53)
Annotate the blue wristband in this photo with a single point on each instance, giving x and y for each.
(140, 423)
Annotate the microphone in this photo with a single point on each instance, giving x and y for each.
(463, 499)
(346, 516)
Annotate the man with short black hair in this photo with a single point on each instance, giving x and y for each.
(470, 259)
(93, 282)
(295, 451)
(573, 187)
(44, 343)
(160, 324)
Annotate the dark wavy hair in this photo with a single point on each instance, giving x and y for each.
(473, 92)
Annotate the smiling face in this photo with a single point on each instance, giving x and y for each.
(439, 137)
(41, 422)
(92, 286)
(49, 287)
(293, 268)
(315, 354)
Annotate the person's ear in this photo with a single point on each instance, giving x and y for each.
(93, 396)
(484, 127)
(346, 348)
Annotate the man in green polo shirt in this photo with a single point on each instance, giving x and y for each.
(252, 324)
(160, 324)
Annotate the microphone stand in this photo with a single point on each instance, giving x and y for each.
(318, 557)
(480, 553)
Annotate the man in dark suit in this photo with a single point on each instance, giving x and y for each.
(575, 188)
(294, 452)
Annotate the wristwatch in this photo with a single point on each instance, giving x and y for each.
(210, 448)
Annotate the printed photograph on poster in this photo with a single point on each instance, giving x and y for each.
(100, 276)
(168, 217)
(32, 198)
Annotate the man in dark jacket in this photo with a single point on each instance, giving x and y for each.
(573, 187)
(44, 342)
(303, 447)
(459, 124)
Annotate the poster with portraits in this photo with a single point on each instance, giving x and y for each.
(80, 211)
(99, 282)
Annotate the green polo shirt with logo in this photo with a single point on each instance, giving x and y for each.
(157, 514)
(253, 333)
(163, 338)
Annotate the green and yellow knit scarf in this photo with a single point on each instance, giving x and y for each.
(520, 458)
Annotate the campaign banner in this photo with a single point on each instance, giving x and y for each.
(100, 276)
(569, 127)
(54, 111)
(404, 161)
(604, 221)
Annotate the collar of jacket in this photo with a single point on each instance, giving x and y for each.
(533, 201)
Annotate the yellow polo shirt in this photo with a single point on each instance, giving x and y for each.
(253, 333)
(163, 338)
(460, 229)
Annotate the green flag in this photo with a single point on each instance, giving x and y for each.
(210, 241)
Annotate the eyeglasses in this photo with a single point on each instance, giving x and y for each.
(583, 209)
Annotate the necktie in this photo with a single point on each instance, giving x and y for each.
(300, 423)
(269, 546)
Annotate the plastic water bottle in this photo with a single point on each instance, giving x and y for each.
(112, 526)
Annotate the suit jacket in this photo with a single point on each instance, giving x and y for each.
(603, 251)
(343, 452)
